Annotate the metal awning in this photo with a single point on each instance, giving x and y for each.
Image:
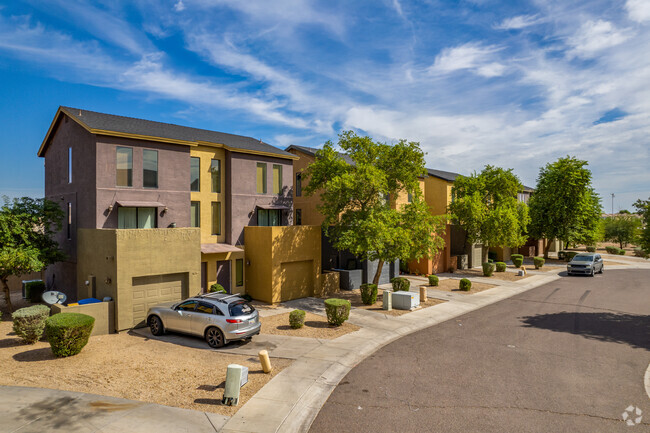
(219, 248)
(129, 203)
(273, 206)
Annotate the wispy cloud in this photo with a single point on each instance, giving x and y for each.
(470, 56)
(638, 10)
(518, 22)
(594, 36)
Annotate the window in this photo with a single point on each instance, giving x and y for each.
(69, 220)
(195, 214)
(240, 308)
(298, 217)
(215, 169)
(277, 179)
(205, 308)
(216, 218)
(195, 174)
(298, 184)
(150, 168)
(69, 165)
(136, 218)
(124, 166)
(410, 198)
(261, 178)
(239, 272)
(187, 306)
(269, 217)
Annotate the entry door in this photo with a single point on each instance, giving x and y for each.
(204, 277)
(223, 274)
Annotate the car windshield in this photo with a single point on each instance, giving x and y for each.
(583, 258)
(240, 308)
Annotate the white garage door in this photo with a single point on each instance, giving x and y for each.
(154, 289)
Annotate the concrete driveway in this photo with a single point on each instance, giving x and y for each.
(567, 356)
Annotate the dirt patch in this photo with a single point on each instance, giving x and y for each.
(613, 263)
(132, 367)
(315, 327)
(504, 276)
(354, 296)
(451, 285)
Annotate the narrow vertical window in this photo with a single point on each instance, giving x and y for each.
(69, 164)
(124, 166)
(261, 178)
(262, 217)
(298, 184)
(195, 174)
(410, 198)
(277, 179)
(150, 168)
(195, 214)
(216, 218)
(215, 170)
(298, 217)
(239, 272)
(69, 220)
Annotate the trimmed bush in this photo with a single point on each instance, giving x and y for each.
(433, 280)
(68, 333)
(369, 293)
(216, 288)
(640, 253)
(500, 266)
(297, 319)
(569, 255)
(400, 284)
(621, 252)
(34, 291)
(488, 269)
(611, 250)
(465, 285)
(490, 261)
(517, 260)
(338, 311)
(29, 322)
(539, 262)
(591, 249)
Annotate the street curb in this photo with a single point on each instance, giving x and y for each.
(647, 381)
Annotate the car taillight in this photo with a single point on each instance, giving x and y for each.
(234, 321)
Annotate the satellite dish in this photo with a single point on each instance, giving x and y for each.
(53, 297)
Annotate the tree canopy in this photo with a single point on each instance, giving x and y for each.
(358, 200)
(623, 229)
(564, 205)
(486, 207)
(26, 244)
(643, 209)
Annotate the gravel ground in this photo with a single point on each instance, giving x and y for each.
(315, 327)
(451, 285)
(132, 367)
(354, 296)
(505, 276)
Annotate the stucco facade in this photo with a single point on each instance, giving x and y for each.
(306, 206)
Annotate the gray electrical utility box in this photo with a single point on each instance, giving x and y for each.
(405, 300)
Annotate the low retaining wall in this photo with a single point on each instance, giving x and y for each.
(103, 312)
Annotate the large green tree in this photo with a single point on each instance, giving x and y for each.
(485, 205)
(26, 245)
(643, 209)
(564, 205)
(358, 200)
(623, 229)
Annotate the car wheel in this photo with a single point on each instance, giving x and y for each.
(592, 272)
(214, 337)
(602, 269)
(156, 325)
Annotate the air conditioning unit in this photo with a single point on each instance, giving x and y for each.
(405, 300)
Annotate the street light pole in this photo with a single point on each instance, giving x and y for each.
(613, 203)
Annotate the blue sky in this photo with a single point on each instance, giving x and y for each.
(513, 84)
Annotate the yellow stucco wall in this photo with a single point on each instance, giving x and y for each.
(437, 194)
(103, 312)
(403, 197)
(269, 248)
(211, 261)
(205, 196)
(307, 205)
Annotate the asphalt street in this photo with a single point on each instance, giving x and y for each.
(569, 356)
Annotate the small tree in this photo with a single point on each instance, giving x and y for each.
(643, 209)
(26, 244)
(564, 205)
(358, 197)
(486, 207)
(623, 229)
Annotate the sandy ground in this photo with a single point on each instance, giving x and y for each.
(354, 296)
(505, 276)
(315, 327)
(132, 367)
(452, 285)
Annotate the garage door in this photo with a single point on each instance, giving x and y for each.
(154, 289)
(297, 280)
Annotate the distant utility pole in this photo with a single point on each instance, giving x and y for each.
(613, 203)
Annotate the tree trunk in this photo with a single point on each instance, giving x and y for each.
(547, 247)
(380, 265)
(485, 250)
(5, 288)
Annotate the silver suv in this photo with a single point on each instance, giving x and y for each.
(586, 264)
(217, 317)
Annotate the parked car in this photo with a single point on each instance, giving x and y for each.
(585, 264)
(217, 317)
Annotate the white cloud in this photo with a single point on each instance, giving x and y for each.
(179, 6)
(638, 10)
(594, 36)
(518, 22)
(470, 56)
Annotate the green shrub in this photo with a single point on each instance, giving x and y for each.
(500, 267)
(560, 255)
(465, 285)
(400, 284)
(611, 250)
(369, 293)
(433, 280)
(297, 319)
(216, 288)
(29, 322)
(488, 269)
(517, 260)
(621, 252)
(34, 291)
(539, 262)
(569, 255)
(338, 311)
(640, 253)
(591, 249)
(490, 261)
(68, 333)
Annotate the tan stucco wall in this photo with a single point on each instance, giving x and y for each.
(310, 214)
(437, 194)
(268, 248)
(205, 196)
(103, 312)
